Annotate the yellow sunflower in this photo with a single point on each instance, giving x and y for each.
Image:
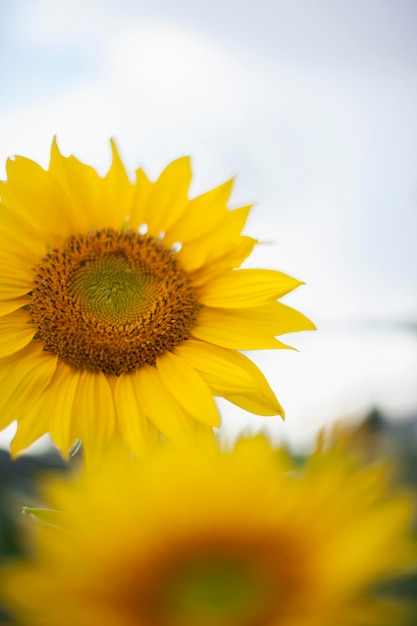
(122, 311)
(217, 539)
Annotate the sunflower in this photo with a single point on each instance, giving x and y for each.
(232, 539)
(122, 311)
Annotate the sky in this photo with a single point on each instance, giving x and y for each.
(310, 103)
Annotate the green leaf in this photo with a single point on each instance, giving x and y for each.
(47, 517)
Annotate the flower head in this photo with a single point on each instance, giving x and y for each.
(230, 539)
(122, 311)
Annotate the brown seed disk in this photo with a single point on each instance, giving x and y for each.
(111, 301)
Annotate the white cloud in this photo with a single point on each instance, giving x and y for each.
(54, 24)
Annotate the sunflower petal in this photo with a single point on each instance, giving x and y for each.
(203, 214)
(94, 406)
(30, 428)
(259, 404)
(80, 189)
(136, 429)
(216, 365)
(168, 198)
(35, 196)
(232, 259)
(229, 234)
(21, 235)
(219, 241)
(288, 320)
(160, 406)
(246, 288)
(231, 375)
(188, 388)
(250, 328)
(27, 375)
(117, 193)
(142, 191)
(228, 329)
(58, 406)
(220, 368)
(12, 304)
(15, 286)
(15, 332)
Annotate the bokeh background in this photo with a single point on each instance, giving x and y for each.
(311, 103)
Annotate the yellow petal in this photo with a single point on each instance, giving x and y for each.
(233, 329)
(246, 288)
(160, 406)
(30, 428)
(80, 189)
(188, 388)
(228, 234)
(16, 332)
(168, 199)
(203, 214)
(204, 438)
(12, 304)
(142, 191)
(28, 373)
(136, 429)
(117, 194)
(223, 238)
(35, 195)
(233, 258)
(222, 369)
(94, 407)
(22, 235)
(241, 249)
(259, 404)
(192, 256)
(249, 329)
(15, 269)
(288, 320)
(231, 375)
(58, 406)
(15, 286)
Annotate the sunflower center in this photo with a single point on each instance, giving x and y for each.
(217, 591)
(111, 301)
(110, 289)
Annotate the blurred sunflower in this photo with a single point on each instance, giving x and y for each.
(230, 539)
(121, 308)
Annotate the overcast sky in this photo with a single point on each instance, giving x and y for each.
(310, 102)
